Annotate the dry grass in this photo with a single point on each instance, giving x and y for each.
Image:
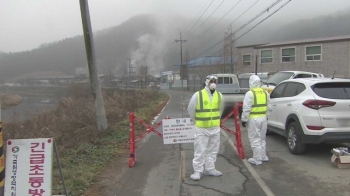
(8, 100)
(83, 150)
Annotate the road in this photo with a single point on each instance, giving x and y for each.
(158, 166)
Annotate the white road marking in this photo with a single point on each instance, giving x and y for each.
(260, 181)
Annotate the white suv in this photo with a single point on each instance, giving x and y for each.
(311, 111)
(280, 76)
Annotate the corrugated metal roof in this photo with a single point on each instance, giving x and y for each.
(210, 60)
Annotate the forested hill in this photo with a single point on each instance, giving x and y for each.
(111, 45)
(149, 40)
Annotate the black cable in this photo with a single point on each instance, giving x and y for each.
(223, 30)
(219, 19)
(197, 14)
(207, 17)
(199, 18)
(253, 26)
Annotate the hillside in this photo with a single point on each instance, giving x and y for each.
(149, 40)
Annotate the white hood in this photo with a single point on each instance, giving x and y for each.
(254, 81)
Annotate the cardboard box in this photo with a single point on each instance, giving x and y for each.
(342, 162)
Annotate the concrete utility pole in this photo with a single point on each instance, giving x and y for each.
(93, 72)
(146, 79)
(256, 64)
(131, 71)
(181, 67)
(231, 40)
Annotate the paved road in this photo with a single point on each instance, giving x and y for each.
(158, 166)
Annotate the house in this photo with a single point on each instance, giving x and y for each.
(330, 55)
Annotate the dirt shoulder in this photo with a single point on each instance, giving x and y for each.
(108, 178)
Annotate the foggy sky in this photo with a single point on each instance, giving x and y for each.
(25, 25)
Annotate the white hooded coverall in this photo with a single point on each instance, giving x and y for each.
(207, 140)
(257, 127)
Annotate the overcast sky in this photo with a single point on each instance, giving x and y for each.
(26, 24)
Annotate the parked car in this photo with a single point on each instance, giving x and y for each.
(311, 111)
(280, 76)
(243, 79)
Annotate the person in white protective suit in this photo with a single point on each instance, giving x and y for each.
(256, 105)
(205, 109)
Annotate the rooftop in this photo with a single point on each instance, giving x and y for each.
(303, 41)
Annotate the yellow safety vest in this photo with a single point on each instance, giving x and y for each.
(259, 103)
(208, 113)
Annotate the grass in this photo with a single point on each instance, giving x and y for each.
(83, 150)
(8, 100)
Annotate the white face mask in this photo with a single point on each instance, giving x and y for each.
(212, 86)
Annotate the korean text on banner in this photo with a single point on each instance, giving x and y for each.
(179, 130)
(29, 167)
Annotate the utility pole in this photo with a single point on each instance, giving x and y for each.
(93, 72)
(146, 79)
(130, 72)
(256, 64)
(232, 68)
(181, 67)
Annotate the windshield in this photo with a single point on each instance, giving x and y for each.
(279, 77)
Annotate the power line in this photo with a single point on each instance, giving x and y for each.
(195, 22)
(224, 30)
(199, 18)
(220, 19)
(208, 17)
(197, 14)
(264, 19)
(247, 23)
(251, 28)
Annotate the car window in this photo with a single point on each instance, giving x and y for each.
(244, 83)
(227, 80)
(301, 88)
(314, 76)
(291, 89)
(334, 90)
(303, 76)
(278, 91)
(278, 77)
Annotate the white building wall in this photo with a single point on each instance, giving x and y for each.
(335, 57)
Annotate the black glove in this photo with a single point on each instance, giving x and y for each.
(243, 123)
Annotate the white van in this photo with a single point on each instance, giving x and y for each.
(280, 76)
(228, 85)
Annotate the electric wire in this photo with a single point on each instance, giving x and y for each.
(251, 28)
(219, 19)
(199, 18)
(197, 14)
(207, 17)
(224, 30)
(247, 23)
(167, 48)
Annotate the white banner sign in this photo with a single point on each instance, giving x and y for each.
(179, 130)
(29, 167)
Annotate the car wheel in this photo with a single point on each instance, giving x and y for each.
(294, 135)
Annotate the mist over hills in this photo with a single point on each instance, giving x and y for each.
(336, 24)
(149, 40)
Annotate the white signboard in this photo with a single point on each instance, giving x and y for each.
(179, 130)
(29, 167)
